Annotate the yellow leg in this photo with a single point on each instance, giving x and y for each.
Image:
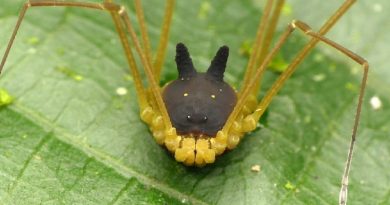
(249, 123)
(144, 30)
(281, 80)
(278, 84)
(163, 43)
(105, 6)
(162, 46)
(246, 92)
(265, 33)
(155, 89)
(269, 34)
(251, 120)
(267, 40)
(258, 44)
(22, 13)
(142, 98)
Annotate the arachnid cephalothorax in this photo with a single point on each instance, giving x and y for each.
(199, 116)
(199, 104)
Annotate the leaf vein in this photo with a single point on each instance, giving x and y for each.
(34, 152)
(101, 156)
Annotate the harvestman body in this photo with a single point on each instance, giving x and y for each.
(199, 116)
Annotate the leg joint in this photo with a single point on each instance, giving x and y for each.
(111, 7)
(27, 4)
(122, 11)
(303, 26)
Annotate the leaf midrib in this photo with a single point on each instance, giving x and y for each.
(126, 171)
(62, 135)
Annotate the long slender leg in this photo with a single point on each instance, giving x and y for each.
(162, 46)
(268, 39)
(137, 79)
(144, 30)
(277, 85)
(291, 68)
(22, 13)
(258, 44)
(250, 121)
(285, 75)
(249, 88)
(265, 33)
(148, 69)
(270, 32)
(129, 55)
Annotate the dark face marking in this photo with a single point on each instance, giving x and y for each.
(199, 103)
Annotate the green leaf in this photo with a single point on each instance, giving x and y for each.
(72, 140)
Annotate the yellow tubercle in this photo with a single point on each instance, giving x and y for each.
(172, 143)
(219, 143)
(246, 110)
(221, 137)
(158, 123)
(159, 136)
(233, 141)
(251, 102)
(186, 153)
(249, 123)
(236, 128)
(195, 152)
(204, 155)
(171, 132)
(147, 115)
(191, 150)
(249, 106)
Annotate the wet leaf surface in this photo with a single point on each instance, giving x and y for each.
(69, 138)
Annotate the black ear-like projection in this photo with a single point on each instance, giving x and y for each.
(184, 63)
(218, 64)
(199, 104)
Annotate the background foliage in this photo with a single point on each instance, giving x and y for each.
(68, 138)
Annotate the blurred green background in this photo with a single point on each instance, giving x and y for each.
(69, 138)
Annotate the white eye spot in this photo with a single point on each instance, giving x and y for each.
(185, 94)
(376, 103)
(181, 78)
(205, 118)
(213, 96)
(220, 90)
(188, 117)
(121, 91)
